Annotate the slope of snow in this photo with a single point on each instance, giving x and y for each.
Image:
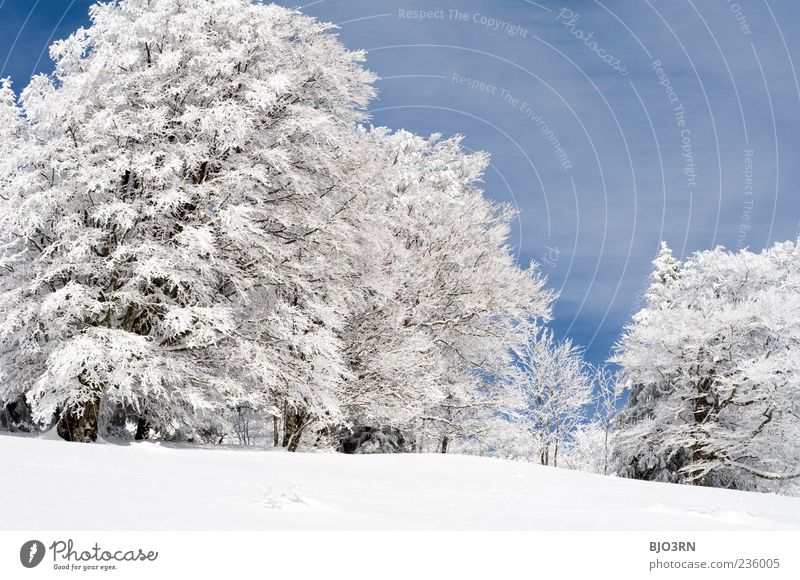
(47, 484)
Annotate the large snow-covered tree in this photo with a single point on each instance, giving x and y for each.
(713, 365)
(14, 411)
(196, 228)
(171, 239)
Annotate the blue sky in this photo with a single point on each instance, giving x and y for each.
(714, 160)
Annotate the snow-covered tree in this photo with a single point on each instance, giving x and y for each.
(171, 241)
(585, 449)
(637, 456)
(442, 298)
(556, 386)
(591, 445)
(196, 226)
(14, 410)
(713, 364)
(606, 400)
(13, 135)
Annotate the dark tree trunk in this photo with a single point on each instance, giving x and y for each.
(16, 416)
(294, 421)
(286, 434)
(115, 423)
(294, 443)
(142, 429)
(275, 434)
(79, 424)
(445, 442)
(703, 411)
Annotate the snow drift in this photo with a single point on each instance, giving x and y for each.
(49, 484)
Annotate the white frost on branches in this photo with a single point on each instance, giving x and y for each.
(713, 364)
(195, 224)
(556, 386)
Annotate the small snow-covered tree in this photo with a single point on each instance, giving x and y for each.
(713, 364)
(591, 444)
(585, 449)
(556, 386)
(607, 397)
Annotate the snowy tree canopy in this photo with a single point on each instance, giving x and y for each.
(713, 362)
(193, 220)
(442, 303)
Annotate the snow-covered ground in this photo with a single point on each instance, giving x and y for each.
(47, 484)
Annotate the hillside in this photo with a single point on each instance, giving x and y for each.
(48, 484)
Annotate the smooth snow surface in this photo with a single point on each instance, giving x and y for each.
(48, 484)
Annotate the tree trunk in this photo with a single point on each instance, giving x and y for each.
(445, 441)
(286, 432)
(16, 416)
(294, 441)
(703, 410)
(142, 429)
(275, 434)
(294, 421)
(79, 424)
